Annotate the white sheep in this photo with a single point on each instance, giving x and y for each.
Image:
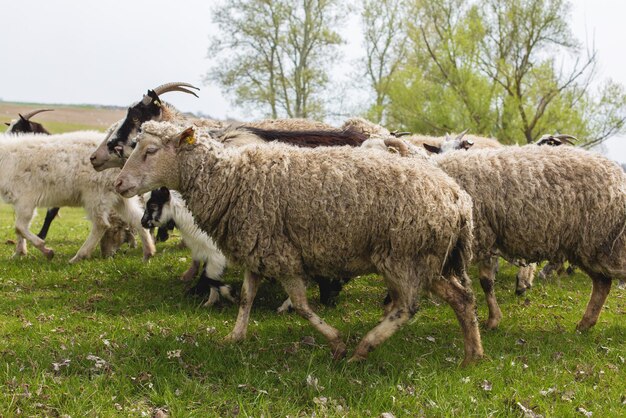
(54, 171)
(291, 213)
(545, 203)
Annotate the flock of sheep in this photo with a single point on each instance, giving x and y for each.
(300, 201)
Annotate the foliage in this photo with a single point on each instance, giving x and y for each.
(384, 30)
(119, 337)
(275, 55)
(509, 69)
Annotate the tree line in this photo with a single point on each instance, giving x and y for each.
(509, 69)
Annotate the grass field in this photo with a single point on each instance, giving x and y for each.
(117, 337)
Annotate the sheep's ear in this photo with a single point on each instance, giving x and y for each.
(188, 136)
(432, 149)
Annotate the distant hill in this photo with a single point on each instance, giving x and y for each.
(624, 166)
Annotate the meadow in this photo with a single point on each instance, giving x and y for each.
(118, 337)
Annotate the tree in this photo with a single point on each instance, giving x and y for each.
(384, 29)
(509, 69)
(275, 55)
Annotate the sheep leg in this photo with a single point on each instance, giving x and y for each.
(400, 310)
(251, 282)
(97, 231)
(525, 278)
(601, 288)
(50, 215)
(191, 271)
(462, 301)
(486, 271)
(296, 289)
(131, 213)
(23, 218)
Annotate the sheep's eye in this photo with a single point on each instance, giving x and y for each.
(135, 120)
(150, 151)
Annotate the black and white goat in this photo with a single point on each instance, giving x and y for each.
(165, 206)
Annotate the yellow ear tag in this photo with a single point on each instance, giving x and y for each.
(191, 139)
(156, 103)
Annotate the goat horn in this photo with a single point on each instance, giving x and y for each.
(403, 149)
(175, 86)
(462, 134)
(566, 138)
(29, 115)
(398, 133)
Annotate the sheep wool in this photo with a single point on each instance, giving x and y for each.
(546, 203)
(290, 213)
(54, 171)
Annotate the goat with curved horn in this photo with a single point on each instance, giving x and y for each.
(175, 86)
(34, 112)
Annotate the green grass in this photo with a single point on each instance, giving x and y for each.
(162, 350)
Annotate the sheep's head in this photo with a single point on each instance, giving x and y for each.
(153, 161)
(450, 144)
(23, 124)
(158, 211)
(119, 144)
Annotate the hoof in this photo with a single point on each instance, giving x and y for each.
(234, 338)
(520, 292)
(492, 324)
(187, 276)
(339, 351)
(583, 326)
(357, 358)
(49, 253)
(468, 361)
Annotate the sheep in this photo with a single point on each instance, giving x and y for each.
(575, 211)
(118, 144)
(116, 235)
(30, 177)
(165, 205)
(289, 212)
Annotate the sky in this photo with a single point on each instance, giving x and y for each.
(110, 52)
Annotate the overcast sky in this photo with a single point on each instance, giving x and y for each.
(110, 52)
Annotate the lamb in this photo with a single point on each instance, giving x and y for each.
(30, 178)
(165, 205)
(583, 193)
(289, 213)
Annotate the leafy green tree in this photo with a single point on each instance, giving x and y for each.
(384, 29)
(274, 55)
(492, 66)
